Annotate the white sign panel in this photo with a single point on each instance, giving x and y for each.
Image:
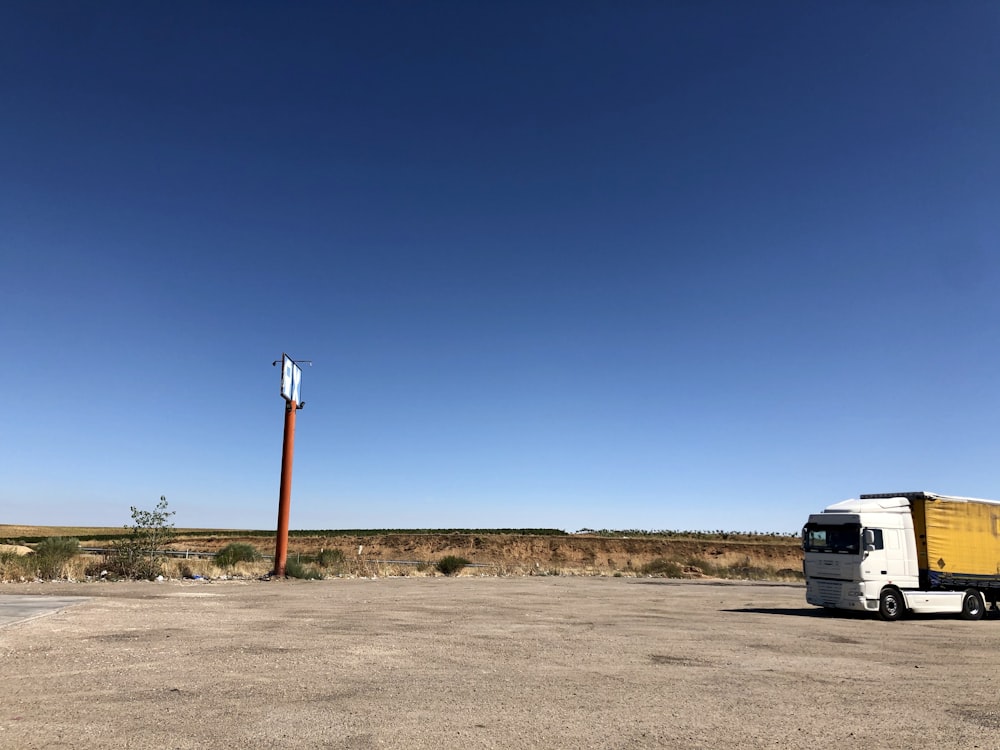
(291, 380)
(296, 383)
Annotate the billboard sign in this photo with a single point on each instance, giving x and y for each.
(291, 380)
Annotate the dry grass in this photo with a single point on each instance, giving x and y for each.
(17, 549)
(13, 531)
(14, 568)
(18, 568)
(11, 567)
(206, 568)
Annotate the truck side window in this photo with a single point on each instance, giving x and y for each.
(879, 542)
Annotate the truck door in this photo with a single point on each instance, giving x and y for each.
(895, 555)
(875, 564)
(885, 554)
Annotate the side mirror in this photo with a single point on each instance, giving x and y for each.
(869, 540)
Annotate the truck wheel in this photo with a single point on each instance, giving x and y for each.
(972, 605)
(891, 605)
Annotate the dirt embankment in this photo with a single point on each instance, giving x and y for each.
(520, 554)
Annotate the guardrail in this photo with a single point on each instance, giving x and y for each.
(186, 554)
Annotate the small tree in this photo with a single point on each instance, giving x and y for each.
(140, 554)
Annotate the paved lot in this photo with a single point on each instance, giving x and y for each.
(488, 663)
(17, 608)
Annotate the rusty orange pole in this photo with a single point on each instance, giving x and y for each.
(285, 491)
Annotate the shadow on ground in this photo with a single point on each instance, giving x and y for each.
(801, 612)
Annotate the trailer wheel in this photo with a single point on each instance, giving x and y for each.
(891, 605)
(973, 607)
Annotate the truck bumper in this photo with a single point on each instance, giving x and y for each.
(839, 595)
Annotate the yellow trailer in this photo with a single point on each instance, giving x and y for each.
(958, 541)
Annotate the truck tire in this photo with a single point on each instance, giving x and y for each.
(891, 605)
(973, 607)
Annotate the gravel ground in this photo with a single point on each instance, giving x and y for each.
(487, 663)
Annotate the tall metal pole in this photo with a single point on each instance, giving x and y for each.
(285, 491)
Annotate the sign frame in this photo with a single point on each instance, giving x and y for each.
(291, 380)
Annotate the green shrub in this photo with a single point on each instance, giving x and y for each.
(51, 555)
(451, 564)
(58, 546)
(794, 574)
(706, 567)
(663, 568)
(236, 552)
(330, 558)
(295, 569)
(750, 573)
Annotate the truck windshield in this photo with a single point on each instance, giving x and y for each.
(843, 538)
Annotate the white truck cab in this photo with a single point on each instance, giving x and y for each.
(861, 554)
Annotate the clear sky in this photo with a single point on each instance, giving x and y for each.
(657, 265)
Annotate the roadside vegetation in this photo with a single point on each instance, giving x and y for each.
(327, 563)
(34, 534)
(237, 552)
(698, 567)
(451, 565)
(52, 557)
(55, 557)
(140, 553)
(151, 546)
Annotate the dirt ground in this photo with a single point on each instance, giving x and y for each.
(531, 662)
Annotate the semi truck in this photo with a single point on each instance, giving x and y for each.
(900, 552)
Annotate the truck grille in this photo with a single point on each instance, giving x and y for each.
(829, 591)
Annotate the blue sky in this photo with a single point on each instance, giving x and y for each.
(660, 265)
